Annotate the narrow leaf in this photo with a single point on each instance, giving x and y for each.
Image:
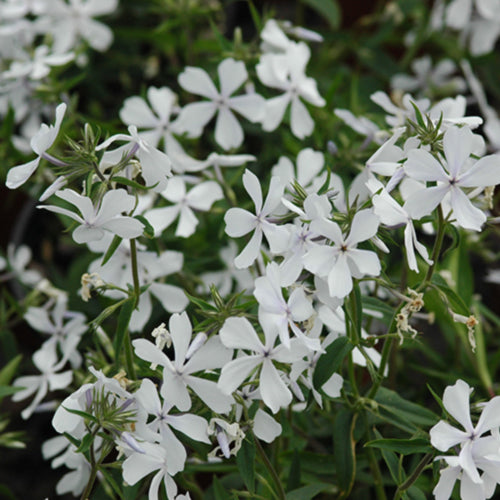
(343, 446)
(330, 361)
(245, 460)
(402, 446)
(115, 243)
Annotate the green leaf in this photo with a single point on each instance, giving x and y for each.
(82, 414)
(402, 446)
(294, 475)
(131, 183)
(245, 460)
(8, 390)
(149, 230)
(403, 413)
(9, 370)
(392, 462)
(115, 243)
(456, 302)
(220, 493)
(330, 361)
(202, 304)
(308, 492)
(343, 449)
(122, 326)
(85, 444)
(329, 9)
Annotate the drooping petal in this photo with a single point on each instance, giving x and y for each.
(251, 251)
(424, 201)
(300, 120)
(174, 390)
(193, 426)
(228, 131)
(490, 417)
(181, 331)
(485, 172)
(274, 111)
(273, 390)
(210, 394)
(364, 226)
(265, 427)
(147, 351)
(17, 176)
(465, 213)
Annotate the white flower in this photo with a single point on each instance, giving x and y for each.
(193, 117)
(343, 261)
(444, 436)
(240, 222)
(286, 72)
(69, 22)
(154, 457)
(200, 197)
(455, 173)
(238, 333)
(42, 141)
(361, 125)
(160, 428)
(18, 259)
(105, 216)
(280, 314)
(47, 363)
(178, 374)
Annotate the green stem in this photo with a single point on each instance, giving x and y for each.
(129, 357)
(438, 243)
(271, 469)
(377, 475)
(414, 475)
(135, 270)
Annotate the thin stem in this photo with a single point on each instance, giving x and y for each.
(438, 243)
(414, 475)
(377, 475)
(271, 469)
(135, 270)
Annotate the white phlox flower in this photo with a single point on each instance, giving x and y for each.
(63, 327)
(240, 222)
(444, 436)
(286, 72)
(159, 429)
(392, 214)
(454, 173)
(18, 259)
(429, 79)
(201, 197)
(193, 117)
(106, 215)
(343, 261)
(281, 314)
(39, 143)
(49, 379)
(178, 374)
(70, 22)
(238, 333)
(154, 457)
(361, 125)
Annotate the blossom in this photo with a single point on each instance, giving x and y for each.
(343, 261)
(286, 72)
(178, 374)
(238, 333)
(39, 143)
(240, 222)
(451, 176)
(200, 197)
(444, 436)
(69, 22)
(47, 363)
(105, 216)
(160, 428)
(278, 313)
(154, 457)
(193, 117)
